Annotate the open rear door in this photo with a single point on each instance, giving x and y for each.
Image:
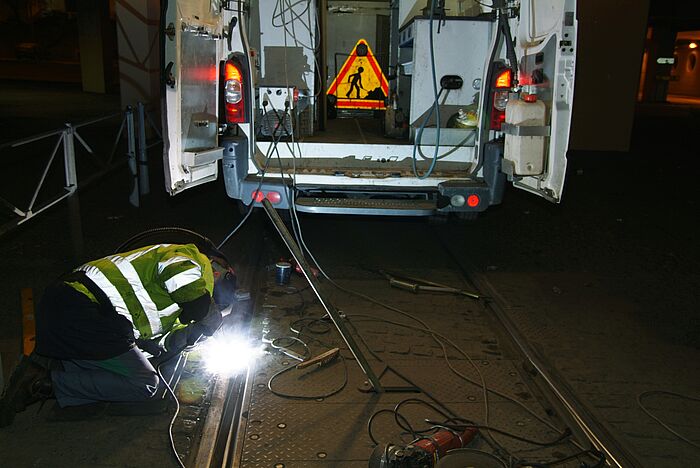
(192, 35)
(538, 120)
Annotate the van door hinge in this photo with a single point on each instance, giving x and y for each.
(168, 75)
(170, 31)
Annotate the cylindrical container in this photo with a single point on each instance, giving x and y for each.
(283, 271)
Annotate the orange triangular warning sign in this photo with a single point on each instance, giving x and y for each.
(360, 84)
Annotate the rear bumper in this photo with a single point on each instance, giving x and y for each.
(454, 195)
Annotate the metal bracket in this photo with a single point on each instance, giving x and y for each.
(338, 321)
(524, 130)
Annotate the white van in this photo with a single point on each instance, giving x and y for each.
(410, 107)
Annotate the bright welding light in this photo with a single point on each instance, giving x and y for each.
(229, 354)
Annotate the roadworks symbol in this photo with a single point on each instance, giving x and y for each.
(360, 84)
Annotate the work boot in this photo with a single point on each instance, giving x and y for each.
(25, 387)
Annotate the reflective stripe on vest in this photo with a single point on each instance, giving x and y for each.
(119, 279)
(149, 308)
(111, 292)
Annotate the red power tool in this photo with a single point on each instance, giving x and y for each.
(423, 453)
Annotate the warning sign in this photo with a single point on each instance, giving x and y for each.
(360, 84)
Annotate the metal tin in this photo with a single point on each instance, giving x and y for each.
(283, 271)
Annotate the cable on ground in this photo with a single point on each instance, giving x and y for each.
(643, 395)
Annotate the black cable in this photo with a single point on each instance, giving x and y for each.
(562, 437)
(167, 229)
(293, 339)
(371, 419)
(312, 321)
(307, 397)
(510, 47)
(268, 157)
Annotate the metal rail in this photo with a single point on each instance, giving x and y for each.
(66, 143)
(597, 435)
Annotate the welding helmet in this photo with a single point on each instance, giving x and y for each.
(224, 282)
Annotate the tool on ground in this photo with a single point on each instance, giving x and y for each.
(424, 452)
(416, 285)
(320, 360)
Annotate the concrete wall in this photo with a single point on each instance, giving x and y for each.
(609, 56)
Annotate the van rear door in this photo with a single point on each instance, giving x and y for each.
(536, 146)
(192, 39)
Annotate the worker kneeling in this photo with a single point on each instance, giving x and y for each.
(98, 322)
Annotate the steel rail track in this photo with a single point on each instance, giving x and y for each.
(555, 387)
(217, 440)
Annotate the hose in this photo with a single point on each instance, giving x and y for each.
(202, 242)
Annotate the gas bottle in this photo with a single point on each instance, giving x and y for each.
(527, 153)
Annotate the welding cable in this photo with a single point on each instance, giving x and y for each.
(312, 322)
(504, 26)
(307, 397)
(313, 35)
(436, 107)
(133, 240)
(461, 427)
(437, 338)
(268, 157)
(374, 415)
(285, 347)
(177, 410)
(643, 395)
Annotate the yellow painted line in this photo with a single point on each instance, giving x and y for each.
(28, 322)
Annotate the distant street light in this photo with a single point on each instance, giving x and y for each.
(693, 45)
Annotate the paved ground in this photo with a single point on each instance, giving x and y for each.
(604, 283)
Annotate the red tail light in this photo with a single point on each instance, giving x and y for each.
(234, 93)
(473, 200)
(258, 196)
(502, 85)
(274, 197)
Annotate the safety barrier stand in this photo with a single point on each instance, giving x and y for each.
(136, 152)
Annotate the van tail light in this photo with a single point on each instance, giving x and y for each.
(501, 85)
(234, 96)
(272, 196)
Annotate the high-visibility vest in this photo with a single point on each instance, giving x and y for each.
(147, 285)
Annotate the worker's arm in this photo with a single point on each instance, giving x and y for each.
(179, 339)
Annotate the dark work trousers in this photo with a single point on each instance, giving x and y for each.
(127, 377)
(95, 346)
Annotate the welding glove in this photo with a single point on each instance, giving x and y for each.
(205, 327)
(152, 347)
(178, 340)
